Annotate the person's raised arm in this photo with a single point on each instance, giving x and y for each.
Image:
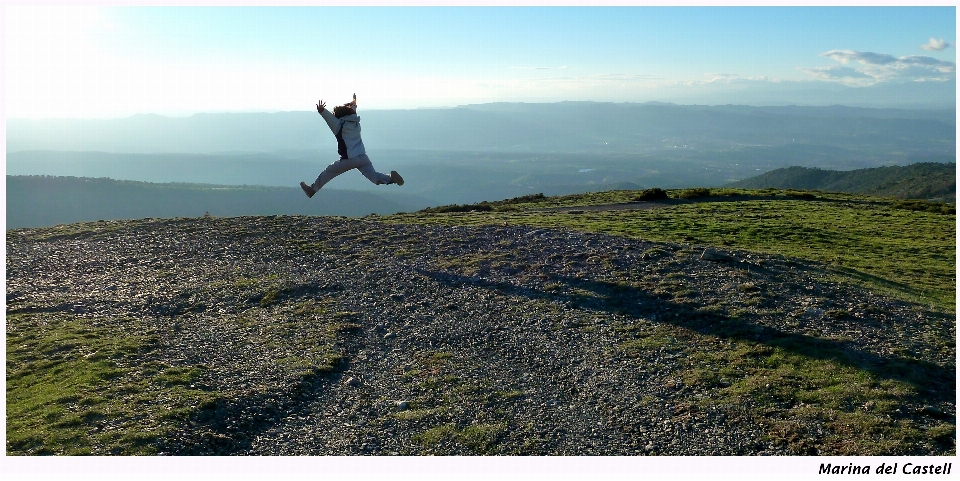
(320, 107)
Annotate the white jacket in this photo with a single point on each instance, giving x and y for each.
(351, 131)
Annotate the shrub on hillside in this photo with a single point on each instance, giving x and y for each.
(655, 193)
(694, 193)
(926, 206)
(481, 207)
(520, 200)
(800, 193)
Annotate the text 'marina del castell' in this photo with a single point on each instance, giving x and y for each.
(884, 468)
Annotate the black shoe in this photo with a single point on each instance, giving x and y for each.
(395, 178)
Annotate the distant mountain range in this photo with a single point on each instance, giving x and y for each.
(926, 180)
(585, 127)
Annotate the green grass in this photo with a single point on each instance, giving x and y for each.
(791, 389)
(479, 438)
(98, 229)
(76, 389)
(442, 396)
(866, 241)
(80, 386)
(808, 393)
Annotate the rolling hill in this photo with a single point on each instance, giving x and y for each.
(925, 180)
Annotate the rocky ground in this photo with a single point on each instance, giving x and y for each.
(334, 336)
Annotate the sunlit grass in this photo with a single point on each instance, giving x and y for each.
(74, 388)
(863, 240)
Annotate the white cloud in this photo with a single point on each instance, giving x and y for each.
(868, 68)
(835, 72)
(847, 56)
(935, 45)
(719, 77)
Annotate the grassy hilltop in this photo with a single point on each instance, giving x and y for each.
(828, 329)
(902, 247)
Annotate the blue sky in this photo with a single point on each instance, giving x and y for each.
(111, 61)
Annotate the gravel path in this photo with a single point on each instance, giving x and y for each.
(451, 340)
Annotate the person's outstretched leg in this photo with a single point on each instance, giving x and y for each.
(366, 168)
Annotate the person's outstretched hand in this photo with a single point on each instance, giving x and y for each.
(320, 106)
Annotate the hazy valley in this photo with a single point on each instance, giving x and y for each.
(492, 151)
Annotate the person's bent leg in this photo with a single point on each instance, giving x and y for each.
(366, 168)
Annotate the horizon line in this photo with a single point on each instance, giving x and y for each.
(651, 102)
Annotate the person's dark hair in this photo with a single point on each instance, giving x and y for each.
(342, 111)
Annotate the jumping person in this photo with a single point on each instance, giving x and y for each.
(345, 125)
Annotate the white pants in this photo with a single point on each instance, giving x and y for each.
(360, 162)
